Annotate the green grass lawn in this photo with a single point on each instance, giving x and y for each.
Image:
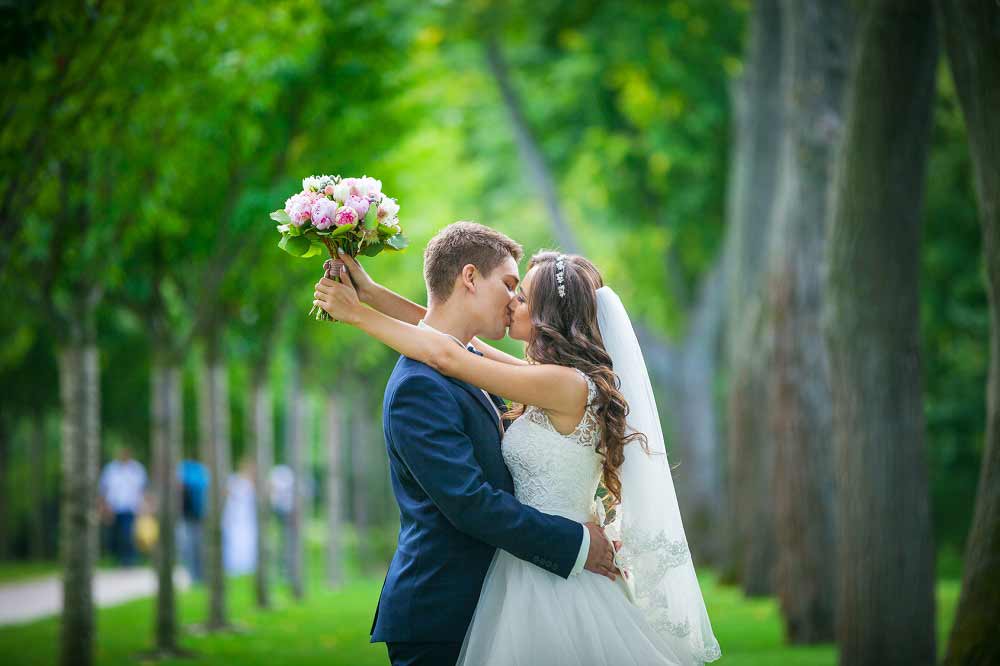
(331, 628)
(17, 572)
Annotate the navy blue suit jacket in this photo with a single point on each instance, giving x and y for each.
(456, 507)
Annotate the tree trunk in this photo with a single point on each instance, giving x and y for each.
(38, 530)
(528, 147)
(688, 375)
(5, 530)
(294, 400)
(262, 432)
(80, 397)
(885, 562)
(816, 57)
(972, 37)
(214, 424)
(361, 486)
(167, 423)
(334, 547)
(759, 125)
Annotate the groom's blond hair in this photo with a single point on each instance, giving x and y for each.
(459, 244)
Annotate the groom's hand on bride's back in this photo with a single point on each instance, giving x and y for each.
(601, 558)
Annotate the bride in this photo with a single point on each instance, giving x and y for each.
(585, 426)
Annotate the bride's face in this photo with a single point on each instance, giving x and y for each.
(520, 318)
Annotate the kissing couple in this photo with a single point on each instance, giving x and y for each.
(543, 533)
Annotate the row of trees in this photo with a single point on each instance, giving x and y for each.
(826, 427)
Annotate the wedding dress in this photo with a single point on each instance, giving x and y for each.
(527, 615)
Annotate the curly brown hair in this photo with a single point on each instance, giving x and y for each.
(565, 332)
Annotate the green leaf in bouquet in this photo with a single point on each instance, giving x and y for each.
(340, 231)
(373, 250)
(397, 242)
(316, 248)
(297, 246)
(294, 230)
(281, 216)
(384, 230)
(371, 217)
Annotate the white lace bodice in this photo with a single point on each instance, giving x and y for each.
(555, 473)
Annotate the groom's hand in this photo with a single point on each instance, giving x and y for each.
(601, 558)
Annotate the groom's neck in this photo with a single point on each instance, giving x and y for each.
(449, 318)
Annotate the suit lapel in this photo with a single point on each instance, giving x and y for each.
(482, 400)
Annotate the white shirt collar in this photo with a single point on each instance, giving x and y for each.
(425, 325)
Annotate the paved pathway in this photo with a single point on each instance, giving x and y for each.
(29, 600)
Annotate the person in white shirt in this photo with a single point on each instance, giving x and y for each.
(122, 490)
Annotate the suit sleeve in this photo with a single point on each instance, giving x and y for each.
(426, 431)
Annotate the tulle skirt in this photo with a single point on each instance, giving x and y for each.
(527, 616)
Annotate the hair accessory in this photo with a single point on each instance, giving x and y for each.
(561, 274)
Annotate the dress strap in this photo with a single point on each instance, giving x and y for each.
(591, 387)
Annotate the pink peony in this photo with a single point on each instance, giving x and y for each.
(345, 215)
(299, 208)
(323, 213)
(387, 209)
(359, 204)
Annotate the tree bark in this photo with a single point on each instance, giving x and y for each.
(262, 432)
(688, 376)
(167, 424)
(885, 562)
(38, 530)
(528, 147)
(816, 57)
(5, 530)
(971, 32)
(214, 424)
(80, 397)
(361, 486)
(294, 404)
(759, 125)
(334, 547)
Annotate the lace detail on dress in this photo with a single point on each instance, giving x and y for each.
(552, 472)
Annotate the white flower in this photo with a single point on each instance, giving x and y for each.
(387, 210)
(311, 184)
(371, 187)
(342, 190)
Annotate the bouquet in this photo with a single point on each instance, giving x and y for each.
(351, 214)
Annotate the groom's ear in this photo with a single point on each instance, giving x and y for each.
(469, 277)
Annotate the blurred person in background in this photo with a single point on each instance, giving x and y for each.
(122, 489)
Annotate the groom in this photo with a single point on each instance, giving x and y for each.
(454, 491)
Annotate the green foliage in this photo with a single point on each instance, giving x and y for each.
(954, 325)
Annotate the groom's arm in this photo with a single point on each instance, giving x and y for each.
(425, 429)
